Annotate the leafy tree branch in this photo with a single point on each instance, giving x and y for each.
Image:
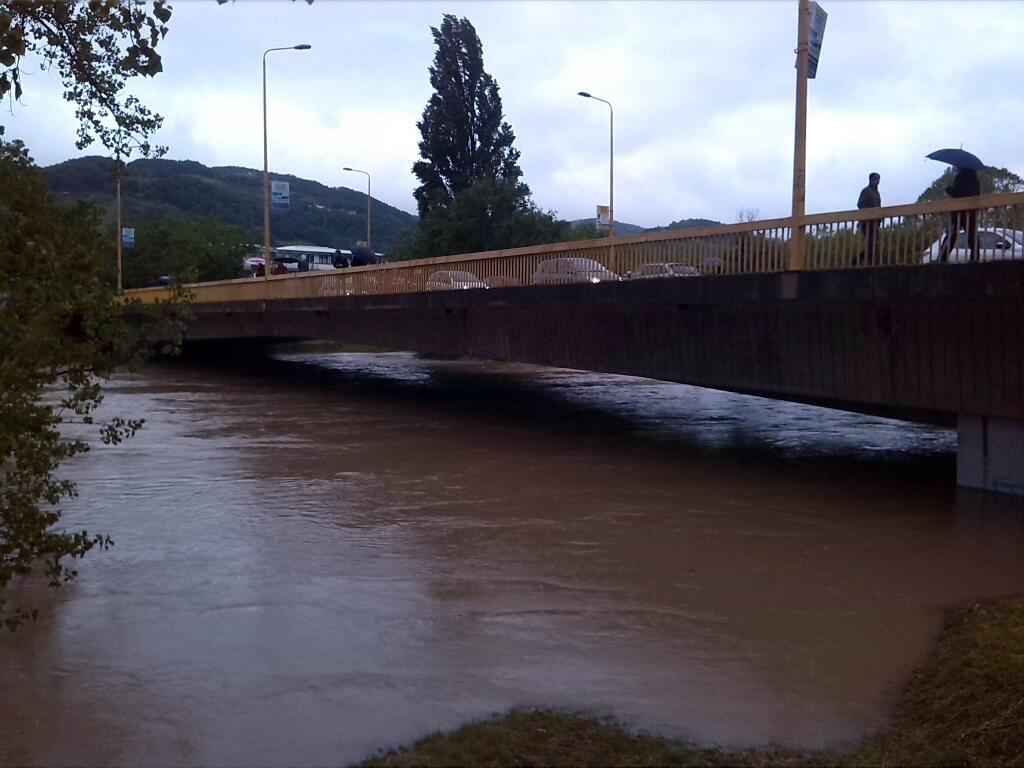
(96, 47)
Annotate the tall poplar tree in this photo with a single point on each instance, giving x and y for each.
(465, 139)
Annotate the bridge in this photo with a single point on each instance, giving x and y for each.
(878, 331)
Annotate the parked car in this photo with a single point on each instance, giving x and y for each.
(994, 244)
(662, 269)
(448, 280)
(572, 270)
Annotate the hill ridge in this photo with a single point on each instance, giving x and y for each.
(319, 215)
(150, 187)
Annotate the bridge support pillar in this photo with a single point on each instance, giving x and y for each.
(990, 454)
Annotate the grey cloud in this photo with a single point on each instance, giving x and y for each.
(703, 93)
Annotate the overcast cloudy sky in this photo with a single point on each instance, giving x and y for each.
(703, 95)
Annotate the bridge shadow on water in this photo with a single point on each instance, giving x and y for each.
(640, 420)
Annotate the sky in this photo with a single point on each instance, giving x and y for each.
(703, 96)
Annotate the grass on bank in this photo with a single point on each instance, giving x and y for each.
(963, 706)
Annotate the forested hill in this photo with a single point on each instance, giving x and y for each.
(319, 215)
(623, 229)
(687, 224)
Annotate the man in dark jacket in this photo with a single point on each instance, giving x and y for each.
(965, 184)
(870, 197)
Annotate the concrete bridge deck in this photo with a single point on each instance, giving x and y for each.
(942, 344)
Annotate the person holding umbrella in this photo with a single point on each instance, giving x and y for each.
(965, 184)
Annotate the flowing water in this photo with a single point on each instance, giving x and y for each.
(323, 556)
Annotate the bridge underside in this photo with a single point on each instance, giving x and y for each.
(941, 345)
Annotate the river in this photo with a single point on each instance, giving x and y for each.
(325, 555)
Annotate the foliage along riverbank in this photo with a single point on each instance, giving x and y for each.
(963, 706)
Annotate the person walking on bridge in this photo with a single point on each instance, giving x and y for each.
(870, 197)
(965, 184)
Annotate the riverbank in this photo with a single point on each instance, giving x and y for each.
(964, 705)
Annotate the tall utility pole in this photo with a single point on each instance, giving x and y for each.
(798, 252)
(120, 263)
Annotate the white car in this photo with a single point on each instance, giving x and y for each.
(572, 270)
(662, 269)
(450, 280)
(994, 244)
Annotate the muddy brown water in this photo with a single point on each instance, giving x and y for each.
(323, 556)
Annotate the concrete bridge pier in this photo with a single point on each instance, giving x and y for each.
(990, 454)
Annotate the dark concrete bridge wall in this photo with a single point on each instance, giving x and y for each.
(923, 344)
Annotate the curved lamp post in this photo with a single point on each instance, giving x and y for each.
(369, 242)
(611, 161)
(267, 260)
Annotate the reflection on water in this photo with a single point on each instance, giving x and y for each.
(323, 556)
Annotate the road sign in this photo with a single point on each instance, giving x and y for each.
(818, 19)
(603, 217)
(279, 195)
(127, 237)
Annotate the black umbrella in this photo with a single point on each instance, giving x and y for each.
(958, 157)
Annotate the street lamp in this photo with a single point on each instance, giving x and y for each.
(369, 242)
(267, 261)
(611, 161)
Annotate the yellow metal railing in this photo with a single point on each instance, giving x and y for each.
(896, 236)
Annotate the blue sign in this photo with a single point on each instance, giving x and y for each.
(127, 237)
(818, 19)
(279, 195)
(815, 36)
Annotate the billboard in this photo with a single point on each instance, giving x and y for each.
(279, 195)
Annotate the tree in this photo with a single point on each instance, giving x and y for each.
(488, 215)
(585, 230)
(196, 250)
(464, 138)
(62, 332)
(62, 325)
(471, 197)
(994, 181)
(96, 47)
